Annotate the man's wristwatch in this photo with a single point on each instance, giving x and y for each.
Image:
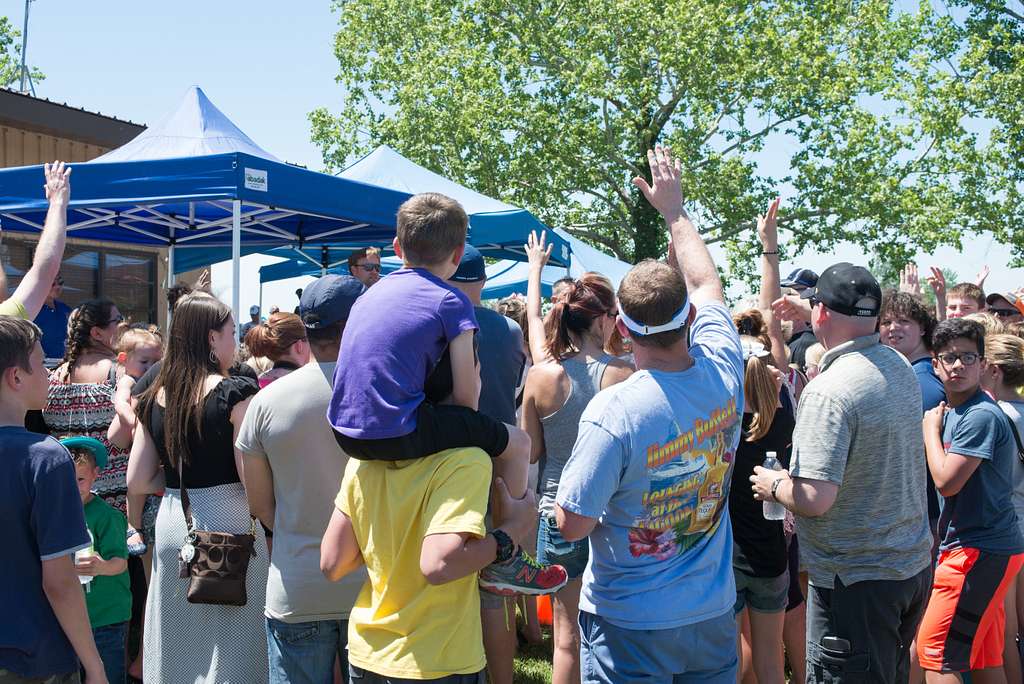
(775, 487)
(506, 548)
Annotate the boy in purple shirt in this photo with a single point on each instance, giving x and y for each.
(401, 338)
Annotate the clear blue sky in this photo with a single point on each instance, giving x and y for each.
(266, 65)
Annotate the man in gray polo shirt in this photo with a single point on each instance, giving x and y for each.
(293, 468)
(857, 488)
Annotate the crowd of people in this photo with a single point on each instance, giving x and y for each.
(825, 483)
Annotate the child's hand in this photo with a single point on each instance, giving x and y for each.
(90, 566)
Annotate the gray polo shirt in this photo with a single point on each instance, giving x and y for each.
(859, 426)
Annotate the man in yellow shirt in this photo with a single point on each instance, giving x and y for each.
(418, 526)
(34, 287)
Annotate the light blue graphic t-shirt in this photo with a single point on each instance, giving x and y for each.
(652, 463)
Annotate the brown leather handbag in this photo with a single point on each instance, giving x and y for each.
(215, 563)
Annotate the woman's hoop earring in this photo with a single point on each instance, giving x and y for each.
(213, 359)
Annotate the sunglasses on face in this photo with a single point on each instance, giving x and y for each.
(1003, 313)
(966, 358)
(370, 267)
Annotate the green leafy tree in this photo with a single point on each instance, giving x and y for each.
(10, 56)
(552, 105)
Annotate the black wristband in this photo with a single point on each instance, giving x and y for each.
(763, 253)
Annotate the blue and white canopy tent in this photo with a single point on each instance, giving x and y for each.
(504, 277)
(194, 182)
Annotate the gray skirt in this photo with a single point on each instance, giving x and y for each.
(191, 643)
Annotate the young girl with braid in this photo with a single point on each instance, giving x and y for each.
(81, 395)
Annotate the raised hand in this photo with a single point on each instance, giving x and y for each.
(792, 308)
(909, 281)
(203, 281)
(536, 253)
(768, 228)
(937, 281)
(664, 193)
(58, 182)
(982, 276)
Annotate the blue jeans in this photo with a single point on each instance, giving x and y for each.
(553, 549)
(112, 643)
(304, 652)
(704, 652)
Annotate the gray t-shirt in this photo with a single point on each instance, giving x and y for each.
(501, 364)
(1015, 411)
(859, 426)
(286, 424)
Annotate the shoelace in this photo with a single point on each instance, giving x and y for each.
(530, 560)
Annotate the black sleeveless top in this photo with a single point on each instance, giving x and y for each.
(212, 461)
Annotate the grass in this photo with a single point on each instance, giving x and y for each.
(533, 663)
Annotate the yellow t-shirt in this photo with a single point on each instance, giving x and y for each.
(401, 626)
(12, 307)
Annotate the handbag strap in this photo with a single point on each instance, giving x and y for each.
(186, 504)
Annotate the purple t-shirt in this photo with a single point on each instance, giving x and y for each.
(394, 337)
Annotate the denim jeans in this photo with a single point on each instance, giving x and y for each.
(704, 652)
(112, 643)
(361, 676)
(304, 652)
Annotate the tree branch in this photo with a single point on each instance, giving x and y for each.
(608, 242)
(718, 120)
(747, 138)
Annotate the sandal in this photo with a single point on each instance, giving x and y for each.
(136, 542)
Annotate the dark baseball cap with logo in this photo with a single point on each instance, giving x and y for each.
(328, 300)
(847, 289)
(472, 268)
(800, 278)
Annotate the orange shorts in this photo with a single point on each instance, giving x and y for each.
(963, 627)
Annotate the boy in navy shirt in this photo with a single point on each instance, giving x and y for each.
(384, 408)
(971, 453)
(46, 624)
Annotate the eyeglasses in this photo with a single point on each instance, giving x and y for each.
(966, 358)
(1004, 313)
(369, 267)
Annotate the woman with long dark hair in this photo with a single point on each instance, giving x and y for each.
(558, 388)
(188, 421)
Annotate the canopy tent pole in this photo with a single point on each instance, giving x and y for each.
(236, 259)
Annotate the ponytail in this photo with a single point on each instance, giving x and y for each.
(573, 314)
(273, 338)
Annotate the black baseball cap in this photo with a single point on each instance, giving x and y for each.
(472, 268)
(801, 277)
(847, 289)
(328, 300)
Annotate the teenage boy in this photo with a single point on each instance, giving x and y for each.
(292, 469)
(104, 567)
(648, 479)
(971, 453)
(45, 623)
(964, 299)
(397, 334)
(418, 616)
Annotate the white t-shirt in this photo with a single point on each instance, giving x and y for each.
(286, 423)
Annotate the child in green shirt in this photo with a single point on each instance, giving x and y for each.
(103, 568)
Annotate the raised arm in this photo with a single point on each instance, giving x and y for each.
(537, 254)
(690, 253)
(768, 232)
(937, 281)
(34, 287)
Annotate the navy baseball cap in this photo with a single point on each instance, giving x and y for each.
(847, 289)
(328, 300)
(472, 268)
(801, 277)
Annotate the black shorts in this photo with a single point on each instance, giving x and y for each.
(438, 427)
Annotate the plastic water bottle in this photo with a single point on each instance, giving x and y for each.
(773, 510)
